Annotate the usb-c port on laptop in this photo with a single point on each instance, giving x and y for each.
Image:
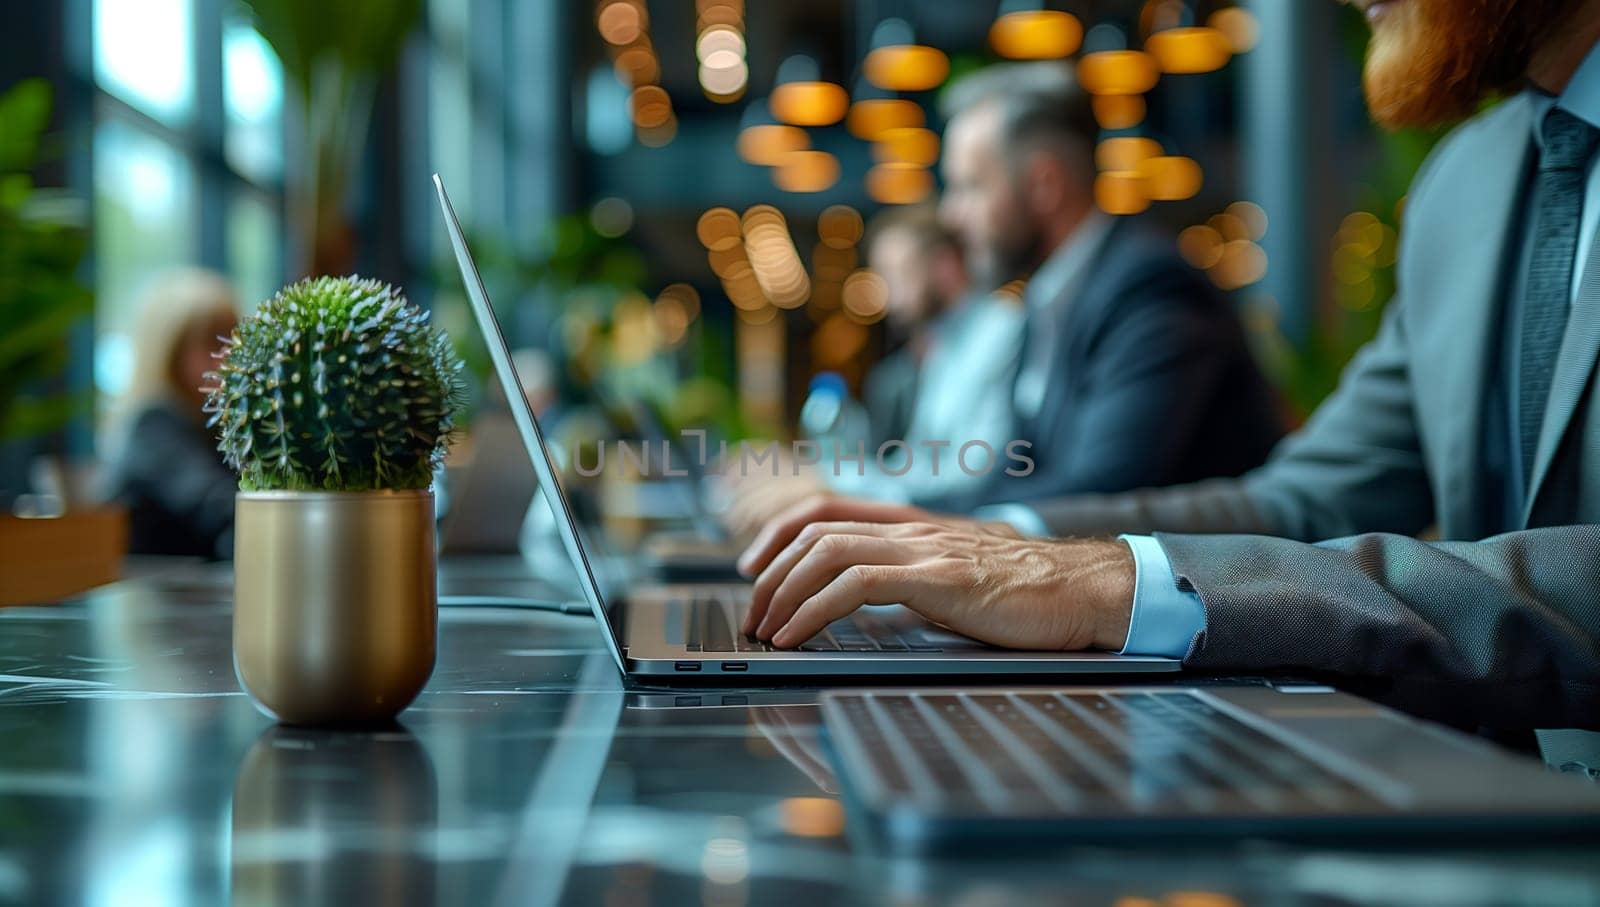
(736, 666)
(686, 666)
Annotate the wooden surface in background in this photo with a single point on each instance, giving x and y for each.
(51, 558)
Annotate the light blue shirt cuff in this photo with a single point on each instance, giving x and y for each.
(1022, 518)
(1165, 618)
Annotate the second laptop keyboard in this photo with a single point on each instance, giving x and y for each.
(714, 619)
(1027, 752)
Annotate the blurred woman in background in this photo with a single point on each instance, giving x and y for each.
(167, 470)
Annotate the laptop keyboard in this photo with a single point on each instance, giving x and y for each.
(714, 618)
(1027, 753)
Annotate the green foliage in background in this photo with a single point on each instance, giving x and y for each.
(43, 242)
(1362, 265)
(333, 54)
(335, 384)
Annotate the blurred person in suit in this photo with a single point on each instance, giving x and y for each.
(1473, 411)
(954, 372)
(1132, 371)
(166, 469)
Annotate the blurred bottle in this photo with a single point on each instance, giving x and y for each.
(831, 415)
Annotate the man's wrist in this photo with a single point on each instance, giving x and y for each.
(1105, 579)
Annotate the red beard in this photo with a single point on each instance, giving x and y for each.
(1432, 62)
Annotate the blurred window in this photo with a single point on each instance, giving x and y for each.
(252, 95)
(144, 208)
(187, 170)
(254, 257)
(143, 55)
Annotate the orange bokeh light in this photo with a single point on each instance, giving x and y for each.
(767, 145)
(1118, 111)
(1118, 72)
(806, 171)
(899, 184)
(906, 67)
(1189, 50)
(907, 145)
(872, 117)
(1120, 192)
(1170, 178)
(809, 103)
(1043, 34)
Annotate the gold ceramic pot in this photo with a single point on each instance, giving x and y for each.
(335, 602)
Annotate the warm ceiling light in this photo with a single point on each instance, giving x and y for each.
(724, 84)
(637, 66)
(718, 38)
(1242, 263)
(718, 228)
(1118, 72)
(728, 262)
(808, 103)
(1125, 152)
(1170, 178)
(839, 339)
(1239, 25)
(1200, 245)
(865, 295)
(768, 144)
(907, 145)
(906, 67)
(806, 171)
(726, 58)
(839, 226)
(621, 22)
(801, 98)
(1229, 226)
(1120, 192)
(898, 184)
(720, 14)
(1039, 34)
(1189, 50)
(759, 215)
(649, 106)
(757, 315)
(685, 294)
(1252, 216)
(833, 259)
(1118, 111)
(660, 134)
(672, 318)
(870, 118)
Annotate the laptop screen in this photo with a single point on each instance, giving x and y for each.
(528, 427)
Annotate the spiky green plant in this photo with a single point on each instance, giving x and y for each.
(335, 384)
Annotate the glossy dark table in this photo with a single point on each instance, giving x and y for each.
(133, 770)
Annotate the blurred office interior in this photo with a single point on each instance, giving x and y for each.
(645, 217)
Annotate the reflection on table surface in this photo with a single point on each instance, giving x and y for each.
(134, 770)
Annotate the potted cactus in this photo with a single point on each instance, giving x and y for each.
(334, 402)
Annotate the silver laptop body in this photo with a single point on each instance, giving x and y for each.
(933, 767)
(667, 632)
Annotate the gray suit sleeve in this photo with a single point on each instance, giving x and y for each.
(1503, 632)
(1355, 466)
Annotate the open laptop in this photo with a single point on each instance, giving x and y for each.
(941, 767)
(690, 632)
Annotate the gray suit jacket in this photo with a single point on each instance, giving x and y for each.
(1495, 624)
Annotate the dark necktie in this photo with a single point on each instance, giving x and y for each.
(1568, 143)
